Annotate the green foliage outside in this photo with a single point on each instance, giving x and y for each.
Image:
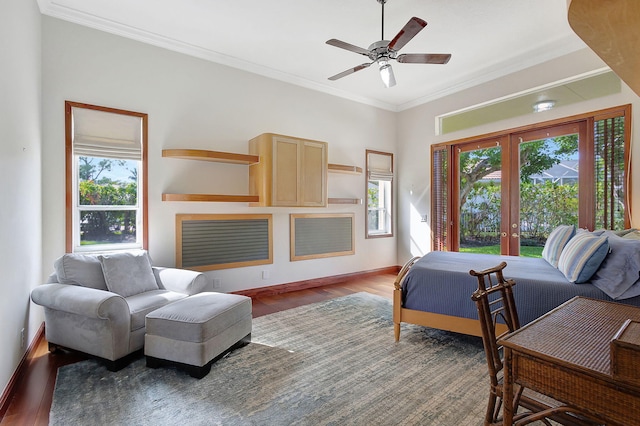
(97, 189)
(525, 251)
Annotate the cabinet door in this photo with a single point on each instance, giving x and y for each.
(286, 172)
(313, 174)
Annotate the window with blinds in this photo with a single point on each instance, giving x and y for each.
(379, 217)
(206, 242)
(611, 166)
(106, 178)
(440, 196)
(321, 235)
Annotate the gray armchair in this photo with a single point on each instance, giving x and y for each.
(97, 304)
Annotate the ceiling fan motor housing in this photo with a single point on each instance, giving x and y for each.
(380, 50)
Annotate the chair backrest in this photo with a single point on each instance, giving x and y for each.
(496, 305)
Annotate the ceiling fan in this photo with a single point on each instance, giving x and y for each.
(381, 52)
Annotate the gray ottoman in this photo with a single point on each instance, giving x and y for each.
(194, 332)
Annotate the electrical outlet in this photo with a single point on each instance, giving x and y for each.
(22, 339)
(265, 275)
(217, 282)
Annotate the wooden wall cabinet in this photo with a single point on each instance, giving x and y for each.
(292, 171)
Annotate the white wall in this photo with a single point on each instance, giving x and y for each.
(193, 103)
(20, 214)
(416, 133)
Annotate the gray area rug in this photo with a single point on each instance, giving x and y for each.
(329, 363)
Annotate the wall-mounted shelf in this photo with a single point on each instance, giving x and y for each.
(211, 197)
(345, 200)
(215, 156)
(340, 168)
(351, 170)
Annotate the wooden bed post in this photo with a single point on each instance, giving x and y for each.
(397, 306)
(397, 296)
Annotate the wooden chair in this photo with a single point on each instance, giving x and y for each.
(495, 302)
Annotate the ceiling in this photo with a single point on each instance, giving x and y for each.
(285, 39)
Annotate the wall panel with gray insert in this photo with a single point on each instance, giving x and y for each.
(321, 235)
(206, 242)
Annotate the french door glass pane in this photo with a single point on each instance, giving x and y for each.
(548, 189)
(480, 200)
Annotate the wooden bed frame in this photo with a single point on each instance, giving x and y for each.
(430, 319)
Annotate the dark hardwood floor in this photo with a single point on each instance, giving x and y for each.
(34, 391)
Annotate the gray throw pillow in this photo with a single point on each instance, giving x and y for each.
(128, 273)
(80, 269)
(620, 269)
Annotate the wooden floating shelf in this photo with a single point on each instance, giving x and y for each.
(215, 156)
(345, 200)
(211, 197)
(340, 168)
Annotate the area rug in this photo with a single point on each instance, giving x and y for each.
(329, 363)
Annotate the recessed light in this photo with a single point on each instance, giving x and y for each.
(543, 106)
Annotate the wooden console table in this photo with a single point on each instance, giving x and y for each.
(565, 354)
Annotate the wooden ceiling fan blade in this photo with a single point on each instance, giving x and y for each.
(413, 27)
(424, 58)
(347, 46)
(349, 71)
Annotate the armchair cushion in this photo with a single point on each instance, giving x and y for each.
(80, 269)
(142, 303)
(128, 274)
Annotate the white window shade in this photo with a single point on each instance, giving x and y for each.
(106, 135)
(380, 167)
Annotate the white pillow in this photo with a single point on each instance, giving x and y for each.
(128, 273)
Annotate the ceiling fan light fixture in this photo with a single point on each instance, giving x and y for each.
(386, 73)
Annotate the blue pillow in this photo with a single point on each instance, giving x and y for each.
(582, 256)
(620, 269)
(558, 238)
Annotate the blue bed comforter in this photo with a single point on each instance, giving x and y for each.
(440, 283)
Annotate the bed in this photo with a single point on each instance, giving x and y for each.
(435, 290)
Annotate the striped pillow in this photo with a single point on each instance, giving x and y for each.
(558, 238)
(582, 256)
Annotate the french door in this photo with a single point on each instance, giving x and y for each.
(503, 193)
(544, 186)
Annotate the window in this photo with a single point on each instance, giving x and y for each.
(379, 215)
(106, 178)
(503, 193)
